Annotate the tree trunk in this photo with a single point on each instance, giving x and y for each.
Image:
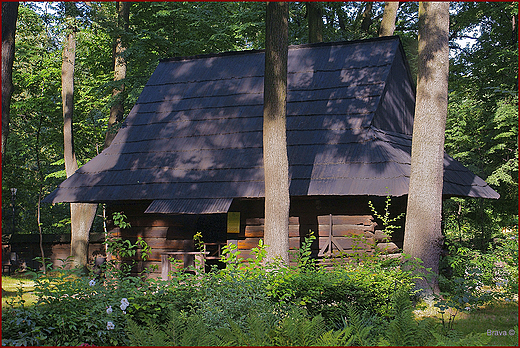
(81, 214)
(389, 16)
(9, 16)
(423, 238)
(116, 110)
(367, 17)
(40, 178)
(314, 18)
(276, 167)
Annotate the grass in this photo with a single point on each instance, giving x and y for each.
(497, 319)
(11, 286)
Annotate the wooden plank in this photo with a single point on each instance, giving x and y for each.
(294, 230)
(178, 244)
(255, 231)
(387, 248)
(152, 232)
(154, 221)
(248, 243)
(346, 219)
(258, 231)
(294, 243)
(155, 232)
(344, 230)
(293, 220)
(255, 222)
(380, 236)
(348, 243)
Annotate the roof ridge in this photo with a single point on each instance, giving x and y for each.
(291, 47)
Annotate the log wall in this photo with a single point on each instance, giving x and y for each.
(167, 233)
(254, 231)
(22, 249)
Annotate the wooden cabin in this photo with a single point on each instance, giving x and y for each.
(188, 157)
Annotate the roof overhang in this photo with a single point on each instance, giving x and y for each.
(190, 206)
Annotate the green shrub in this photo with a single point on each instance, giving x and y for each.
(366, 286)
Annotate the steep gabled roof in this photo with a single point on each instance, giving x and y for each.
(193, 140)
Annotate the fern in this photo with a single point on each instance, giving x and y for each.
(181, 330)
(360, 324)
(454, 338)
(332, 338)
(256, 333)
(403, 329)
(298, 330)
(151, 335)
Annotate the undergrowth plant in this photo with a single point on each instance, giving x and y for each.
(245, 303)
(386, 220)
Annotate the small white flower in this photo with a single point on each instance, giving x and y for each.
(124, 312)
(124, 304)
(109, 309)
(110, 325)
(92, 282)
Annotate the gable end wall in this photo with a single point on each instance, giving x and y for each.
(397, 106)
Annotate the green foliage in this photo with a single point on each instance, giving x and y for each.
(482, 123)
(305, 260)
(181, 330)
(242, 304)
(403, 329)
(473, 272)
(119, 220)
(388, 227)
(366, 286)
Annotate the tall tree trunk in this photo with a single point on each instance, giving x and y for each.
(389, 16)
(116, 110)
(40, 192)
(81, 214)
(423, 238)
(314, 18)
(367, 17)
(276, 166)
(9, 16)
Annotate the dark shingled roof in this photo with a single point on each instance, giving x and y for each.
(193, 140)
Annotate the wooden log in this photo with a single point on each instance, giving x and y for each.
(387, 248)
(154, 232)
(257, 231)
(346, 220)
(248, 243)
(345, 230)
(293, 220)
(380, 236)
(294, 243)
(177, 244)
(348, 243)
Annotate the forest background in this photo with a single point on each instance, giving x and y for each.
(481, 129)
